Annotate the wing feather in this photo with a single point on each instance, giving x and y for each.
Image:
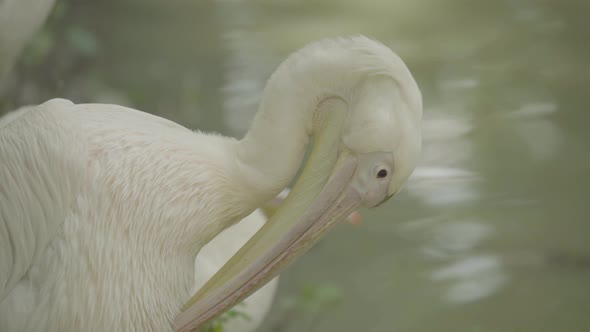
(42, 164)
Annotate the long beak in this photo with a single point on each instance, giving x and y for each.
(270, 207)
(321, 197)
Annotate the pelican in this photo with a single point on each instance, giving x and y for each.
(104, 208)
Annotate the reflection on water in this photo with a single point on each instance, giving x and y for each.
(542, 136)
(474, 278)
(442, 186)
(466, 247)
(491, 232)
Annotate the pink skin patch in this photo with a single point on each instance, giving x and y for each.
(355, 218)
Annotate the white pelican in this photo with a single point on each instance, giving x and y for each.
(104, 208)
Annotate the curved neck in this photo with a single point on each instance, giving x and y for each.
(271, 152)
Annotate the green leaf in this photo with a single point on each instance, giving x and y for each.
(82, 41)
(39, 48)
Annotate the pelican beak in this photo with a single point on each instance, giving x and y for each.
(269, 208)
(324, 194)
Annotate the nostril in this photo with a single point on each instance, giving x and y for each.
(382, 173)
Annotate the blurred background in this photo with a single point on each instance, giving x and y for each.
(491, 234)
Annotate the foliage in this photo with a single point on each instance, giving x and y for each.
(217, 325)
(307, 307)
(59, 52)
(315, 299)
(60, 32)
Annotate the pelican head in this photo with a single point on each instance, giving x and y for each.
(384, 128)
(363, 108)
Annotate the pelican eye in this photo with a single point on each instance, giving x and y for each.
(382, 173)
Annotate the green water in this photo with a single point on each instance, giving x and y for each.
(493, 233)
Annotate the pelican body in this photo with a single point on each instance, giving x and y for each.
(104, 208)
